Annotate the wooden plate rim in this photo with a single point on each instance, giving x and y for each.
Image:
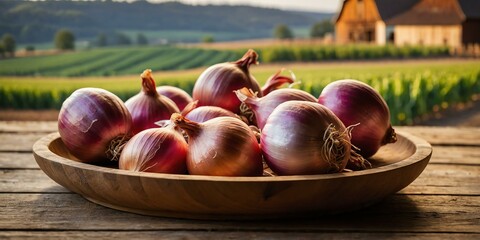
(423, 151)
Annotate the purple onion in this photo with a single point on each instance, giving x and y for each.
(93, 123)
(262, 107)
(355, 102)
(148, 107)
(303, 137)
(177, 95)
(160, 150)
(216, 84)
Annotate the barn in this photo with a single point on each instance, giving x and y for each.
(453, 23)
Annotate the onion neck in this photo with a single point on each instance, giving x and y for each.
(250, 57)
(275, 82)
(148, 83)
(390, 136)
(192, 128)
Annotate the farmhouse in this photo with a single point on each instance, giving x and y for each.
(453, 23)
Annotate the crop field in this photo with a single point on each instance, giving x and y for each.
(410, 88)
(114, 61)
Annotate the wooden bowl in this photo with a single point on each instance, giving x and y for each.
(205, 197)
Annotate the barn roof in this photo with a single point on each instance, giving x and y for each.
(425, 12)
(430, 12)
(471, 8)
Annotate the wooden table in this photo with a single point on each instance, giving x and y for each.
(444, 202)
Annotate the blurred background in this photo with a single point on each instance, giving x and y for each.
(421, 55)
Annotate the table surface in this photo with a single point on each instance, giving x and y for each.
(443, 202)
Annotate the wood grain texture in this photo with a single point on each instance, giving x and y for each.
(435, 179)
(199, 235)
(397, 213)
(15, 160)
(11, 142)
(460, 136)
(28, 126)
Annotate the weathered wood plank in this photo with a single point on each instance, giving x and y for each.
(456, 155)
(436, 179)
(17, 161)
(399, 213)
(13, 142)
(446, 135)
(28, 126)
(186, 234)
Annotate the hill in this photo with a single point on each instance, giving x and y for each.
(33, 22)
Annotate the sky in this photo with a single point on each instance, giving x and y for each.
(304, 5)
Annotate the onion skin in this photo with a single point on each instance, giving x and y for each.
(262, 107)
(293, 141)
(216, 84)
(159, 150)
(275, 82)
(91, 121)
(205, 113)
(148, 107)
(356, 102)
(222, 146)
(177, 95)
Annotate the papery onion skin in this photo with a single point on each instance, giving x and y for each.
(275, 82)
(205, 113)
(215, 86)
(293, 140)
(222, 146)
(91, 122)
(262, 107)
(355, 102)
(148, 107)
(177, 95)
(159, 150)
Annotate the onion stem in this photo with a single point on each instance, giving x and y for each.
(250, 57)
(148, 83)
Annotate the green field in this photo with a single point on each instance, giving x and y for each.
(411, 88)
(114, 61)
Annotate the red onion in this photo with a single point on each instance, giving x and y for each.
(160, 150)
(148, 107)
(222, 146)
(262, 107)
(93, 124)
(276, 81)
(303, 137)
(205, 113)
(355, 102)
(216, 84)
(177, 95)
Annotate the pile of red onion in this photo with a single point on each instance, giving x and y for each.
(230, 126)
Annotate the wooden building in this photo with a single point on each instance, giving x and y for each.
(452, 23)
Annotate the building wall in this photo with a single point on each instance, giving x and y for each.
(450, 35)
(357, 22)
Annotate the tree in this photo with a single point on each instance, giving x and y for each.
(122, 39)
(101, 40)
(9, 44)
(2, 50)
(208, 39)
(282, 31)
(64, 40)
(142, 39)
(319, 29)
